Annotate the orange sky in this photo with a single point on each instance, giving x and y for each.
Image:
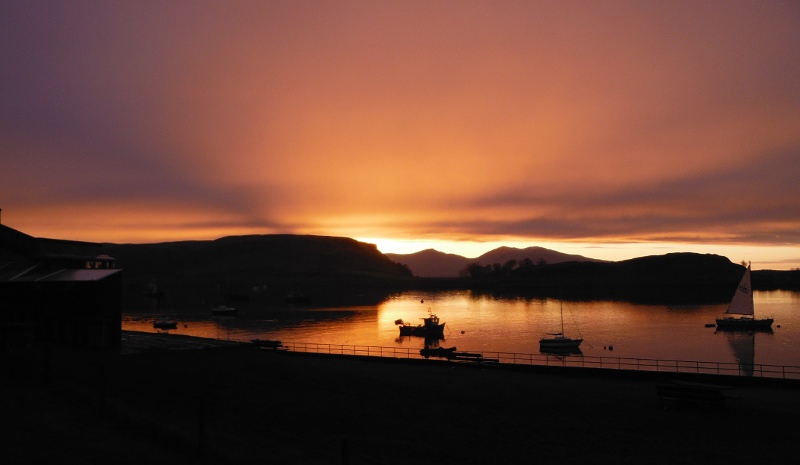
(611, 129)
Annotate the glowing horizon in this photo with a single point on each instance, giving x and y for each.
(774, 258)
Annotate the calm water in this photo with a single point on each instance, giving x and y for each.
(616, 329)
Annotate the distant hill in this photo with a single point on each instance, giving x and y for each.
(536, 255)
(262, 271)
(674, 278)
(269, 268)
(434, 264)
(431, 263)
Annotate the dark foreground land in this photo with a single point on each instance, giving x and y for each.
(184, 403)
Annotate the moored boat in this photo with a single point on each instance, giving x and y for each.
(223, 310)
(559, 341)
(430, 327)
(444, 352)
(743, 306)
(165, 324)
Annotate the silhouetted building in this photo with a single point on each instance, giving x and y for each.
(57, 291)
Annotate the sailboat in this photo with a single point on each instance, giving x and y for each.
(559, 341)
(223, 308)
(742, 304)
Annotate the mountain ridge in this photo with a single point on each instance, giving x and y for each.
(262, 271)
(431, 263)
(268, 267)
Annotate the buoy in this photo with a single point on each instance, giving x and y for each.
(462, 332)
(422, 301)
(610, 347)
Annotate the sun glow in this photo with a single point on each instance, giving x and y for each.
(409, 246)
(774, 258)
(408, 126)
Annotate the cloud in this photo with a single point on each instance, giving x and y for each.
(754, 201)
(597, 121)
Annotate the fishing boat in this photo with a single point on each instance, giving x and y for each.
(742, 305)
(559, 341)
(165, 324)
(430, 327)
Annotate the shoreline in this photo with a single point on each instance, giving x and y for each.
(237, 404)
(137, 341)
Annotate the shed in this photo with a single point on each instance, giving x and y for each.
(57, 291)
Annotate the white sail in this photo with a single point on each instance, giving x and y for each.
(742, 302)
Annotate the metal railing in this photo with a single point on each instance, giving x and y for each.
(578, 361)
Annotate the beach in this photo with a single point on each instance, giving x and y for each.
(232, 403)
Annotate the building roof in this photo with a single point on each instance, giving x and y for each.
(24, 258)
(31, 272)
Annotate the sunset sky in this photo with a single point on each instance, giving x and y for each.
(611, 129)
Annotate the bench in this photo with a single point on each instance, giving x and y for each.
(691, 394)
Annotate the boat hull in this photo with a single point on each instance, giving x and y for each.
(223, 310)
(165, 324)
(744, 323)
(443, 352)
(560, 343)
(425, 331)
(561, 351)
